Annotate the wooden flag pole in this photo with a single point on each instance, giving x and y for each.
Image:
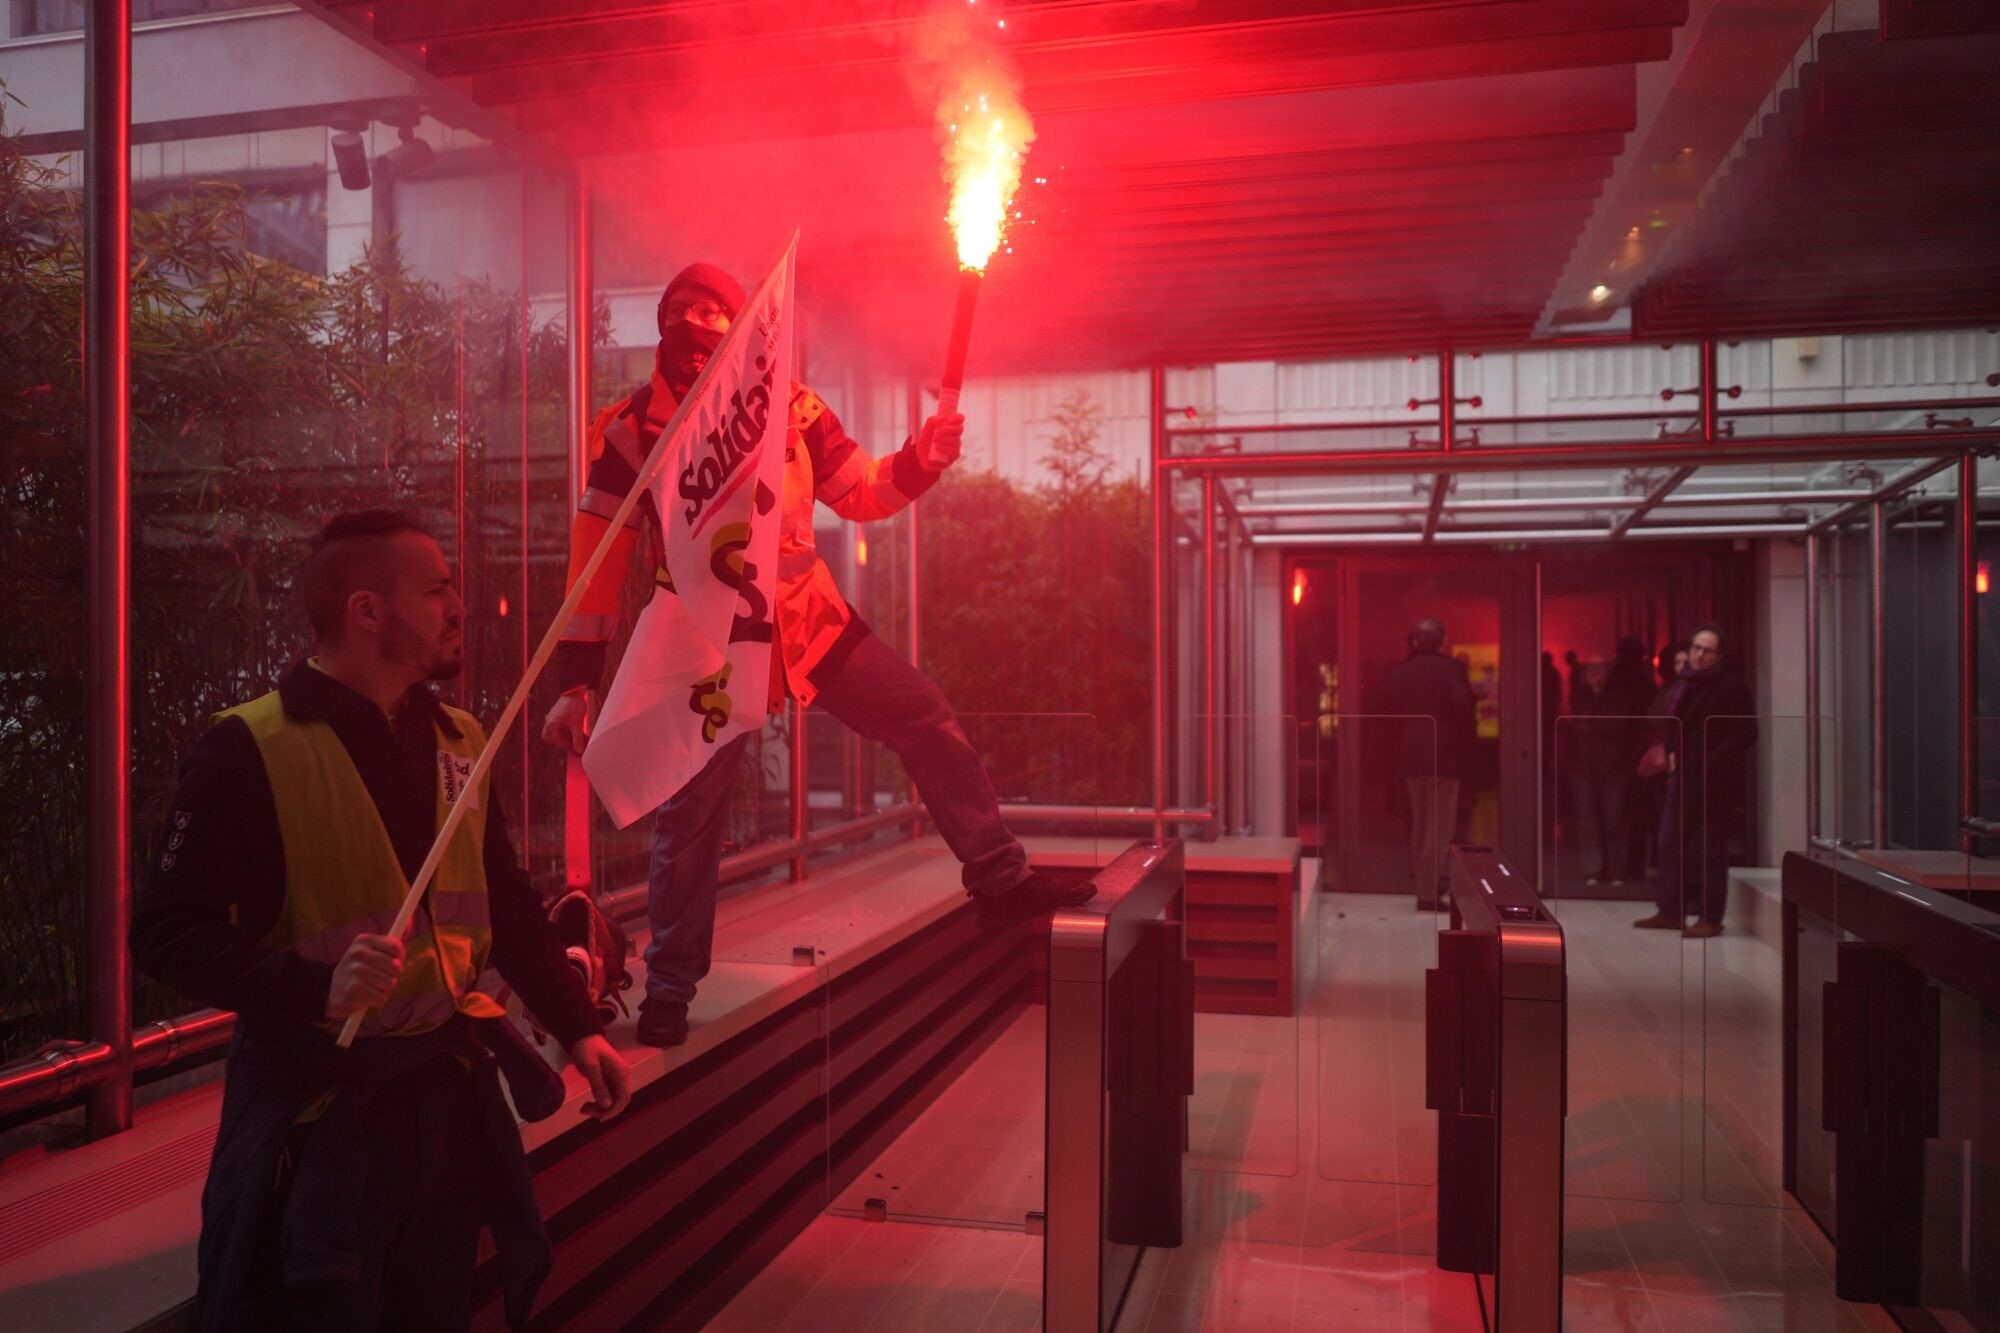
(455, 815)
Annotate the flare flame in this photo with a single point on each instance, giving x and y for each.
(986, 138)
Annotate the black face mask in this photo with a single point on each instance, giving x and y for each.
(684, 350)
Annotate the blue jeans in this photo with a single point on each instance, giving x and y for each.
(880, 697)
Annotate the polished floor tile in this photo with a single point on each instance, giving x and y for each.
(1311, 1199)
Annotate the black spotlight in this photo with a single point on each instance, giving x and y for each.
(352, 158)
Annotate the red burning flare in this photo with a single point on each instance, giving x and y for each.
(986, 135)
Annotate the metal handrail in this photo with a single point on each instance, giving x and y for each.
(61, 1070)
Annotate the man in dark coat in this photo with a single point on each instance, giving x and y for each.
(1434, 693)
(1708, 752)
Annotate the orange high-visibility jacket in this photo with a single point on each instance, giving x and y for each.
(822, 462)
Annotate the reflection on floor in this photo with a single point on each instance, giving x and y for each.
(1311, 1196)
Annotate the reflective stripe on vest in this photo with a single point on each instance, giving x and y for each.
(342, 878)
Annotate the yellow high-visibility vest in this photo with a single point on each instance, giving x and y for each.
(342, 878)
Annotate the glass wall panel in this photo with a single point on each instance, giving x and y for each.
(1378, 936)
(1752, 829)
(1628, 1046)
(42, 637)
(1251, 921)
(321, 327)
(975, 1155)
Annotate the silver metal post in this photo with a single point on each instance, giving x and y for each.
(1162, 483)
(1968, 644)
(107, 375)
(582, 300)
(1211, 721)
(801, 814)
(1812, 689)
(1878, 685)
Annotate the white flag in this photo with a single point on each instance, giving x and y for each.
(697, 671)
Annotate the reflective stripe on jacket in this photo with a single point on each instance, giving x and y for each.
(342, 878)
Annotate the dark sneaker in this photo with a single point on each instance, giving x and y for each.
(1661, 921)
(1036, 896)
(1703, 930)
(1603, 879)
(662, 1022)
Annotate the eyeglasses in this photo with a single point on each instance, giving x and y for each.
(701, 312)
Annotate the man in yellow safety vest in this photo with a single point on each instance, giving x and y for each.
(348, 1187)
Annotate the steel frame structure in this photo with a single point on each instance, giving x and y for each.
(102, 1067)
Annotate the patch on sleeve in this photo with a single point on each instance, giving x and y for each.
(807, 407)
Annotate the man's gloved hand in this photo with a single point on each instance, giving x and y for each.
(940, 440)
(568, 722)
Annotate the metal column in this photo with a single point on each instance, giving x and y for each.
(910, 517)
(582, 304)
(1162, 483)
(801, 791)
(108, 433)
(1968, 644)
(1812, 688)
(1878, 686)
(1211, 722)
(1711, 390)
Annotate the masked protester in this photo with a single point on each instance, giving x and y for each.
(348, 1187)
(825, 653)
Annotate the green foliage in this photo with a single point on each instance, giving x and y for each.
(263, 400)
(1036, 602)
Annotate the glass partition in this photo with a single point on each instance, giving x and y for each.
(974, 1156)
(1752, 822)
(1893, 1130)
(1620, 857)
(323, 323)
(43, 635)
(1250, 922)
(1393, 815)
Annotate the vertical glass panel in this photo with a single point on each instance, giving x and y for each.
(43, 637)
(1249, 924)
(1627, 1044)
(1961, 1189)
(1920, 578)
(1392, 816)
(974, 1155)
(1753, 836)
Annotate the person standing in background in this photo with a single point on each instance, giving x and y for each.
(1433, 693)
(1705, 783)
(1598, 751)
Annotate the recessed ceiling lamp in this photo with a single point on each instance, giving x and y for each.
(1599, 292)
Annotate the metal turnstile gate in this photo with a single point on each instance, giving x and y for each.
(1120, 1070)
(1496, 1036)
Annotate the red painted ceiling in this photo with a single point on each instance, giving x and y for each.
(1233, 179)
